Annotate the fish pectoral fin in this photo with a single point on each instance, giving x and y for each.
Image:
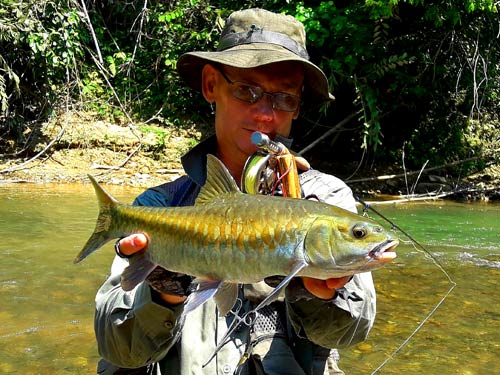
(273, 296)
(205, 290)
(225, 297)
(137, 271)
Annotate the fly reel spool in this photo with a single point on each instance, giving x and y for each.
(270, 169)
(259, 174)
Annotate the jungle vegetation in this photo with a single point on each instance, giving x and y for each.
(418, 79)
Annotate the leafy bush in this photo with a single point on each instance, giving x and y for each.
(141, 48)
(417, 72)
(403, 64)
(41, 45)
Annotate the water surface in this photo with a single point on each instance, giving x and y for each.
(48, 302)
(462, 336)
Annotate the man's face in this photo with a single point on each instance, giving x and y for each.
(237, 119)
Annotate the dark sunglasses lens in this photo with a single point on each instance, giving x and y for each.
(286, 102)
(247, 93)
(252, 94)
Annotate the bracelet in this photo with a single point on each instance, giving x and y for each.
(118, 252)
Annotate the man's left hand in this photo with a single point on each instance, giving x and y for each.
(302, 164)
(324, 289)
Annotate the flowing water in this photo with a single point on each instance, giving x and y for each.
(47, 302)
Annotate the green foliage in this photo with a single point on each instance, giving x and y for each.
(58, 42)
(404, 62)
(41, 44)
(140, 50)
(160, 135)
(360, 55)
(417, 71)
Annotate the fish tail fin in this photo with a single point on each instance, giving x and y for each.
(102, 233)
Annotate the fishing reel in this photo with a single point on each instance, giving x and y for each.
(259, 174)
(270, 170)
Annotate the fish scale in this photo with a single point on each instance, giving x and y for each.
(228, 238)
(192, 238)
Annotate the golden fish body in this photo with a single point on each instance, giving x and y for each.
(236, 238)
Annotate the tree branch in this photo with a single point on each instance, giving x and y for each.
(91, 29)
(19, 166)
(328, 133)
(392, 176)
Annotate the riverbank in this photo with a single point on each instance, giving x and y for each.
(68, 149)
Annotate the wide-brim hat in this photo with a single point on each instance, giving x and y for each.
(257, 37)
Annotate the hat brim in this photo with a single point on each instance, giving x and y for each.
(247, 56)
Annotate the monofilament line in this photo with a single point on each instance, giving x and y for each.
(416, 244)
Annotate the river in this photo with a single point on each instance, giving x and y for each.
(47, 302)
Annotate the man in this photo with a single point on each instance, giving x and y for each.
(256, 79)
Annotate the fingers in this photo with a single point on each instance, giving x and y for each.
(337, 283)
(172, 299)
(318, 288)
(133, 243)
(302, 163)
(324, 289)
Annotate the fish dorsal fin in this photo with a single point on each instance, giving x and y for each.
(219, 181)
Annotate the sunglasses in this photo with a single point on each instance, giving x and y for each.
(252, 94)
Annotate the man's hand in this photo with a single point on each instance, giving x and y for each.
(133, 244)
(302, 164)
(324, 289)
(138, 242)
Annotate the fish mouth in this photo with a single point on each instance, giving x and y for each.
(382, 252)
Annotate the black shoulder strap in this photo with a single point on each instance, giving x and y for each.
(186, 193)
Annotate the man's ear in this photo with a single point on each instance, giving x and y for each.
(208, 81)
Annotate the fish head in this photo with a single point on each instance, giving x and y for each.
(348, 244)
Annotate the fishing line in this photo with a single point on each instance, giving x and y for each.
(280, 181)
(453, 284)
(358, 321)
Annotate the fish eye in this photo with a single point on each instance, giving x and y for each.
(359, 231)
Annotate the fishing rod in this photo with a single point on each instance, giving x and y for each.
(274, 165)
(452, 282)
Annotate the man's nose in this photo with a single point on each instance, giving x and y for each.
(265, 104)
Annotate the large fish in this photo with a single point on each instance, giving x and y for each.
(229, 238)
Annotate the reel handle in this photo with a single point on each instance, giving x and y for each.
(265, 143)
(286, 165)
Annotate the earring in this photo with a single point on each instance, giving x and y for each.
(212, 108)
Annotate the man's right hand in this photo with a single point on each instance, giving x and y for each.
(133, 244)
(138, 242)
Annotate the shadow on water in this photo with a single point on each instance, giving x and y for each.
(48, 302)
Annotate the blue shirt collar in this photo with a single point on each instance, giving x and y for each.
(195, 160)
